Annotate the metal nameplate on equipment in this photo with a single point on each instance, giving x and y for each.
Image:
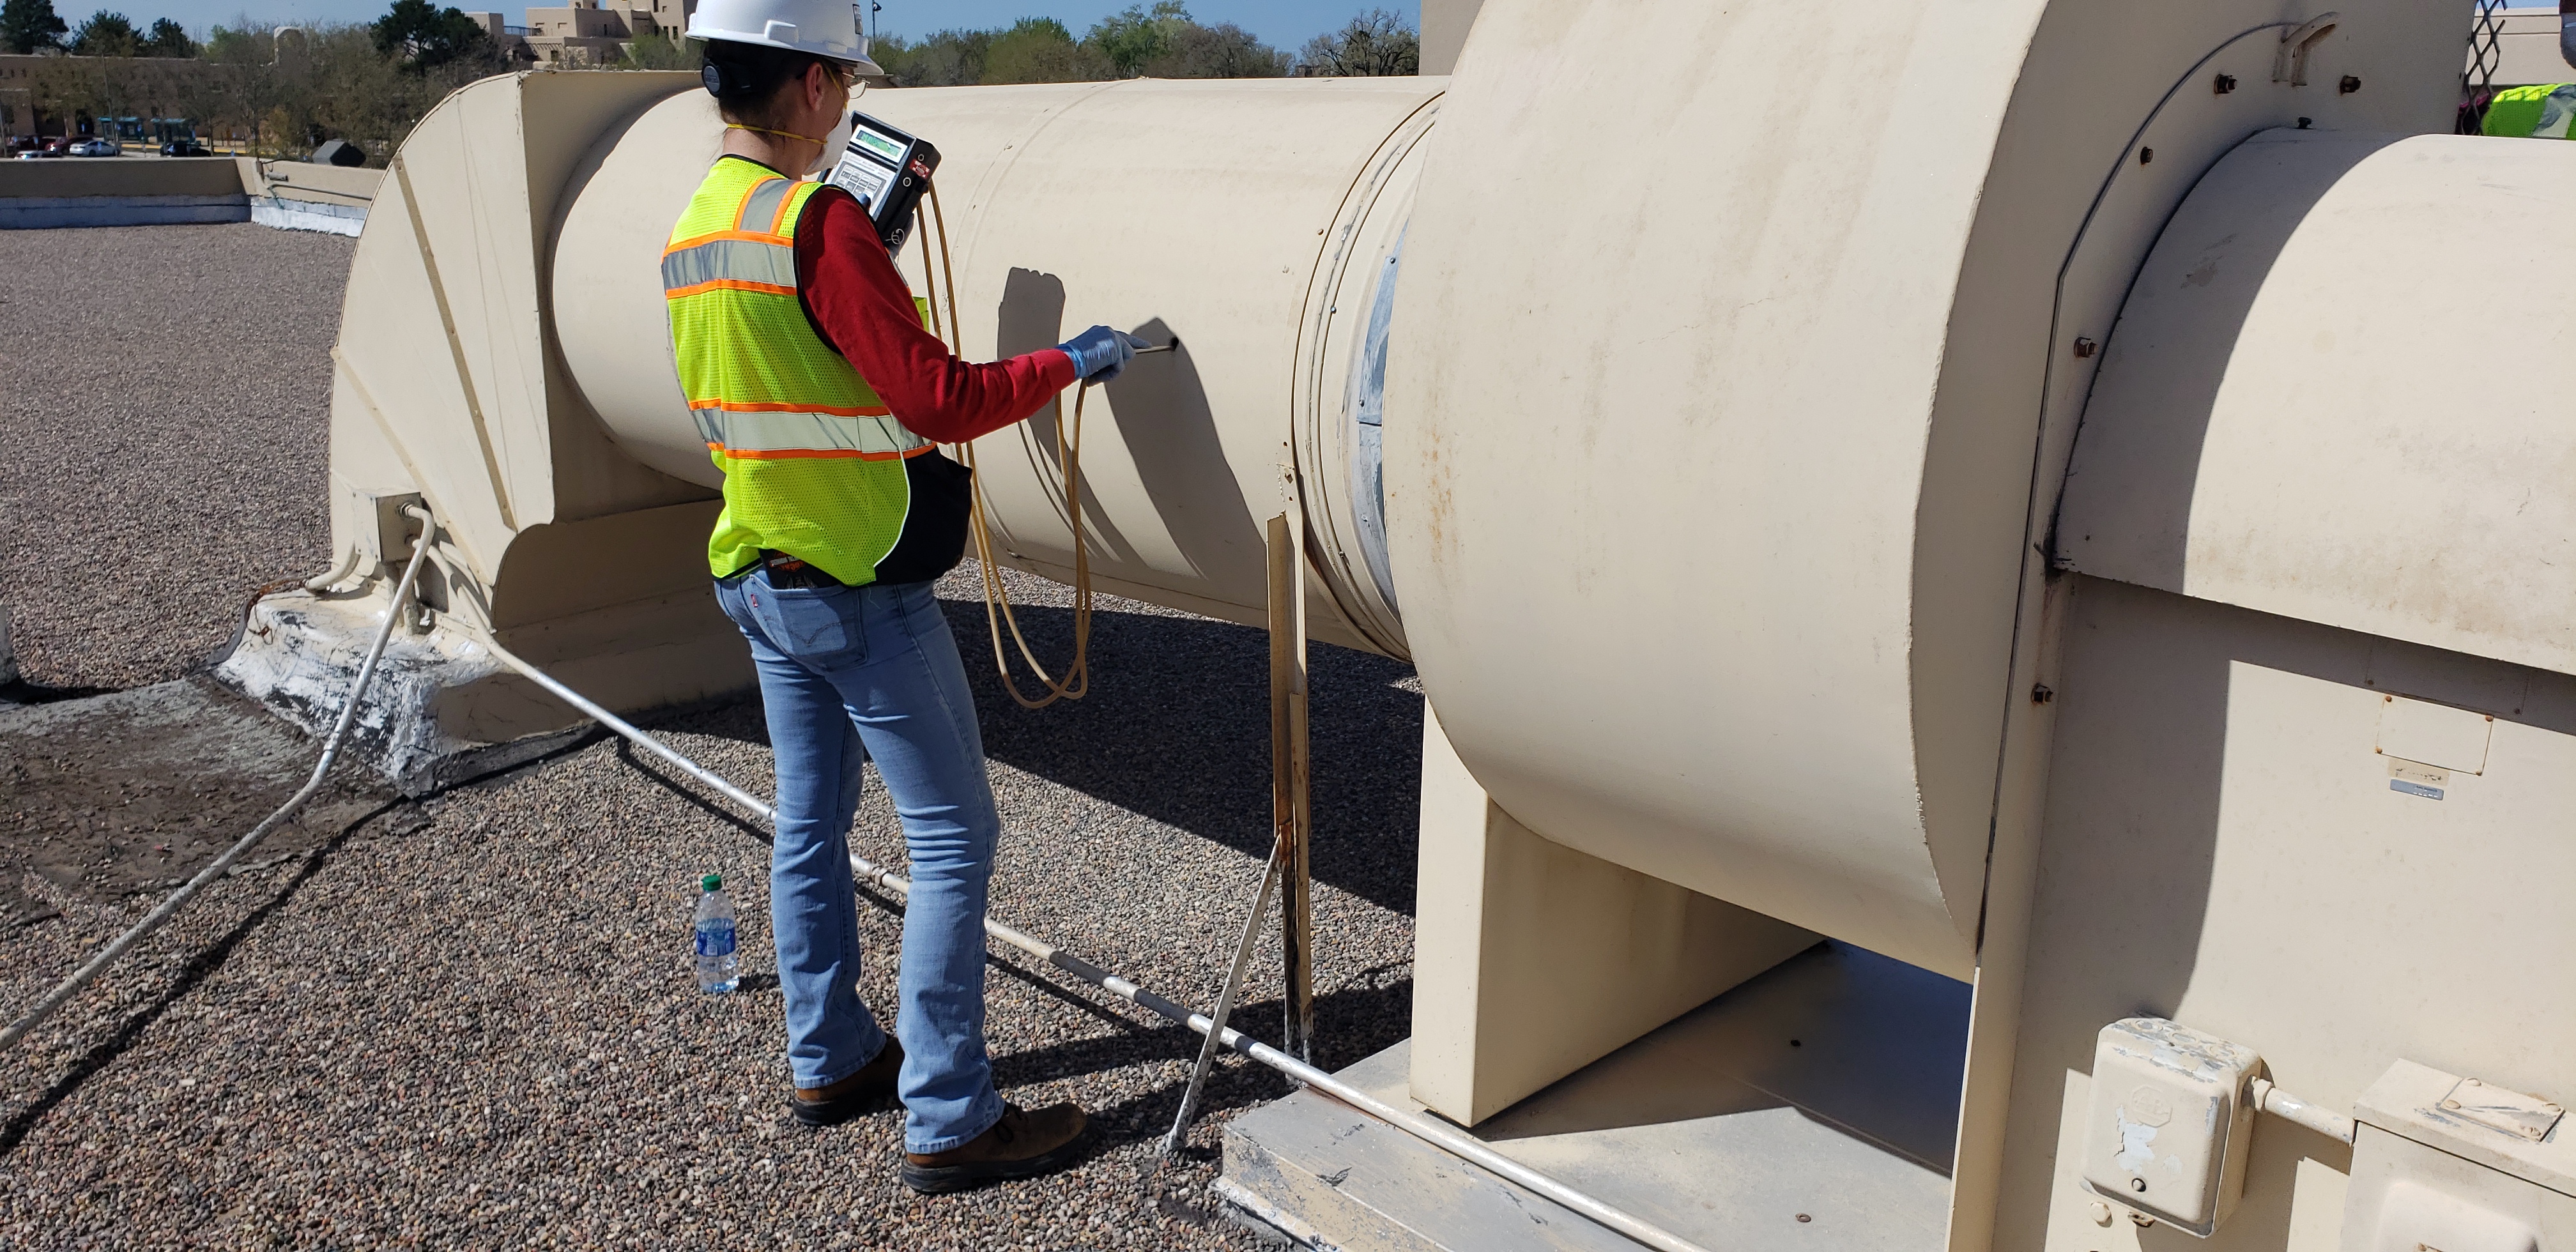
(2523, 1116)
(2434, 734)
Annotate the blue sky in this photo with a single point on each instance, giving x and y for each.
(1280, 23)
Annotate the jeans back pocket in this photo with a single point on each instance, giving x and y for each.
(808, 623)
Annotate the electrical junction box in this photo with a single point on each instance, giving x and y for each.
(2170, 1120)
(394, 530)
(2457, 1165)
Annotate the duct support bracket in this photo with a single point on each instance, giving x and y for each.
(1291, 817)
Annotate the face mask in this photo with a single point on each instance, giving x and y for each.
(834, 143)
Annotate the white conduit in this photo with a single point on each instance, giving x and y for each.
(331, 577)
(2290, 1108)
(69, 987)
(1437, 1135)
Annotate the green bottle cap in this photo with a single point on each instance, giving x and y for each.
(711, 882)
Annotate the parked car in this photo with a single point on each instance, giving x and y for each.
(96, 148)
(185, 147)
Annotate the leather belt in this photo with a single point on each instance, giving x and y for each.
(789, 571)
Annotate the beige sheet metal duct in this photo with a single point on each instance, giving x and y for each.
(503, 357)
(1711, 466)
(1712, 484)
(1254, 220)
(2270, 432)
(1729, 390)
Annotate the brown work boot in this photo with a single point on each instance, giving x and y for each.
(1021, 1145)
(864, 1091)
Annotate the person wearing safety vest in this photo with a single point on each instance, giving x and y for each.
(2539, 112)
(821, 397)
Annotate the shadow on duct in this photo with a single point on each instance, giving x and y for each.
(1161, 413)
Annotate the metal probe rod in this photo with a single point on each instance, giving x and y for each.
(1447, 1140)
(1224, 1009)
(69, 987)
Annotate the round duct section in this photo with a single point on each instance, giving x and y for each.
(2338, 394)
(1253, 221)
(1715, 424)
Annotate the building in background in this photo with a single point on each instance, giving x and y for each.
(588, 32)
(129, 98)
(511, 40)
(18, 116)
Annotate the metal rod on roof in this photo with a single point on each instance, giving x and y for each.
(1456, 1143)
(152, 921)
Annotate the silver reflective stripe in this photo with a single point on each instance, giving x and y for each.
(2556, 111)
(761, 208)
(806, 432)
(739, 259)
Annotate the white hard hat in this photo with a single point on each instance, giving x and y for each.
(825, 28)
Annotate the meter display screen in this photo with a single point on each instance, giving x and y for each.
(877, 144)
(887, 170)
(869, 163)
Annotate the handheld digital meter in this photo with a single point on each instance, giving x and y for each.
(887, 170)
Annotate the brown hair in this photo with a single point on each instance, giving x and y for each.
(748, 79)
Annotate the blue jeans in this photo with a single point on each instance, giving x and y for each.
(848, 674)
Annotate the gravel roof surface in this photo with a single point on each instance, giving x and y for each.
(470, 1021)
(164, 394)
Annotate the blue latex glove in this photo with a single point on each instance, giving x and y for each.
(1100, 352)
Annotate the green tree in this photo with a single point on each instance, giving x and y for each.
(28, 26)
(1224, 50)
(423, 36)
(1161, 42)
(1041, 50)
(1376, 43)
(106, 34)
(654, 50)
(225, 44)
(950, 58)
(169, 39)
(1135, 37)
(341, 87)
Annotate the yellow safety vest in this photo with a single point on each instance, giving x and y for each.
(815, 465)
(2541, 112)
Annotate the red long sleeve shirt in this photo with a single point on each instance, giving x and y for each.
(859, 305)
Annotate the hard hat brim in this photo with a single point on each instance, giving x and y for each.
(850, 57)
(859, 66)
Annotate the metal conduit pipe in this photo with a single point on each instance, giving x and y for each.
(345, 566)
(1448, 1140)
(2290, 1108)
(69, 987)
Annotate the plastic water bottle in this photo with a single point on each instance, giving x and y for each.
(719, 970)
